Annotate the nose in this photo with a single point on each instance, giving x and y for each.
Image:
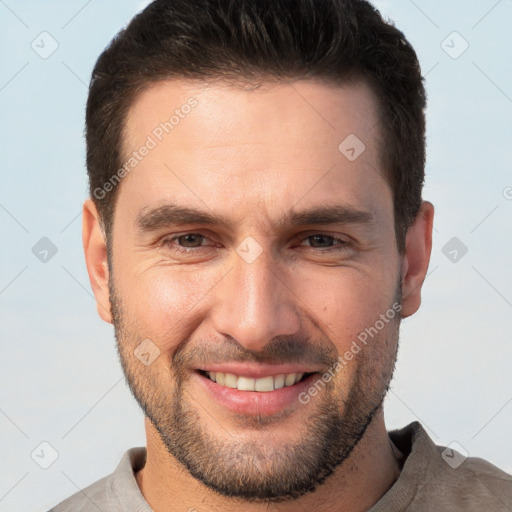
(254, 303)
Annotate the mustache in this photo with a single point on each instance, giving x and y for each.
(280, 350)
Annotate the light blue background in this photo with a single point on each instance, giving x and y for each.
(60, 378)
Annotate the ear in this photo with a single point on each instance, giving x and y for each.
(95, 249)
(418, 247)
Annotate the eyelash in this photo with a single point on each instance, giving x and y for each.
(340, 245)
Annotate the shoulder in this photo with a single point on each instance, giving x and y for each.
(442, 478)
(86, 499)
(116, 492)
(475, 484)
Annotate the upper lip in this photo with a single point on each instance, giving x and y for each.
(257, 371)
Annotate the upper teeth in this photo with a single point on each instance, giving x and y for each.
(263, 384)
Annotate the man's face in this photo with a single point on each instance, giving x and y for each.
(297, 259)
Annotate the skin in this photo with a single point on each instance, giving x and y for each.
(253, 156)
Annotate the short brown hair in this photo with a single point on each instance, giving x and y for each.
(254, 40)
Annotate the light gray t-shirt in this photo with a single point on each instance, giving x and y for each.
(433, 479)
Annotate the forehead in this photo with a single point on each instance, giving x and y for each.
(269, 146)
(228, 112)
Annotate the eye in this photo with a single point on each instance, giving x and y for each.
(190, 240)
(186, 242)
(322, 240)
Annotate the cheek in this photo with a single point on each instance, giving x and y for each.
(164, 302)
(345, 301)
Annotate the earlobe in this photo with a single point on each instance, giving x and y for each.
(95, 249)
(416, 258)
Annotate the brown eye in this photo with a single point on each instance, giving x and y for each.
(321, 240)
(190, 240)
(323, 243)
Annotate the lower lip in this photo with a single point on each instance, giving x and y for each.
(255, 402)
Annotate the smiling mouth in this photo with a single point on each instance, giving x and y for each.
(262, 384)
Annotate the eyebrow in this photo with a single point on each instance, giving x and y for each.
(152, 219)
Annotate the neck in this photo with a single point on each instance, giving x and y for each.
(359, 483)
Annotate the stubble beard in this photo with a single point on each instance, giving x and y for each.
(248, 468)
